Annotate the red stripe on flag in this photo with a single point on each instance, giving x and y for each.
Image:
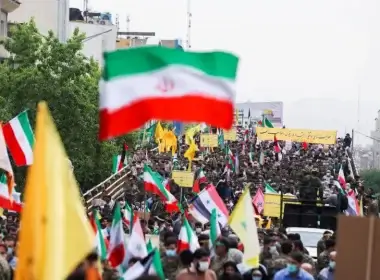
(13, 145)
(7, 204)
(190, 108)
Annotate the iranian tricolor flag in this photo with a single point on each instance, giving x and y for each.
(116, 249)
(230, 159)
(154, 185)
(19, 137)
(166, 84)
(100, 241)
(128, 215)
(341, 178)
(119, 161)
(5, 164)
(201, 178)
(12, 203)
(187, 239)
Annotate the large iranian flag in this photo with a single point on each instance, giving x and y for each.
(140, 84)
(19, 137)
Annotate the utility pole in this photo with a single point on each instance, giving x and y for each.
(63, 20)
(128, 23)
(189, 16)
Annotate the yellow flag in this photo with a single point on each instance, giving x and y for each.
(159, 132)
(242, 221)
(189, 135)
(55, 234)
(190, 152)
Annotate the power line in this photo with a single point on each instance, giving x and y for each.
(370, 137)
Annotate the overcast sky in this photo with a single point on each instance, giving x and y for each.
(320, 57)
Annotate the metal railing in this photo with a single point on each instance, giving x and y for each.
(114, 189)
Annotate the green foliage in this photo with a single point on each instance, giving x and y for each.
(41, 68)
(371, 179)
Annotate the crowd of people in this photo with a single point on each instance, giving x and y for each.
(307, 171)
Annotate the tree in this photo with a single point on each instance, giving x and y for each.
(42, 68)
(371, 179)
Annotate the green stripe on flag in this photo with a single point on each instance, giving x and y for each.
(133, 61)
(26, 127)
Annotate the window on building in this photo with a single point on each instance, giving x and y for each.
(3, 23)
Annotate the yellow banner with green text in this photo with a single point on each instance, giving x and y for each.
(297, 135)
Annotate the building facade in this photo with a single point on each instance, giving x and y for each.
(99, 37)
(6, 8)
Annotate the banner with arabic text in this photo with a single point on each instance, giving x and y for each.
(297, 135)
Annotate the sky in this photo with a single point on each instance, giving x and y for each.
(320, 57)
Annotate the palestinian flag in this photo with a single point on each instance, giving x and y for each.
(116, 249)
(266, 122)
(201, 178)
(19, 137)
(153, 184)
(101, 243)
(167, 84)
(150, 265)
(187, 239)
(119, 161)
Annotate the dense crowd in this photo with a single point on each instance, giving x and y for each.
(307, 171)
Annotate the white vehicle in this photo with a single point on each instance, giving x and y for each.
(309, 237)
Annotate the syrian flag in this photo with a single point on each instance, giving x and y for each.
(167, 85)
(101, 243)
(154, 185)
(128, 215)
(201, 178)
(150, 265)
(187, 239)
(5, 165)
(116, 249)
(119, 161)
(6, 202)
(341, 178)
(353, 208)
(203, 204)
(215, 231)
(266, 123)
(19, 137)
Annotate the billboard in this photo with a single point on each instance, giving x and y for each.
(272, 110)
